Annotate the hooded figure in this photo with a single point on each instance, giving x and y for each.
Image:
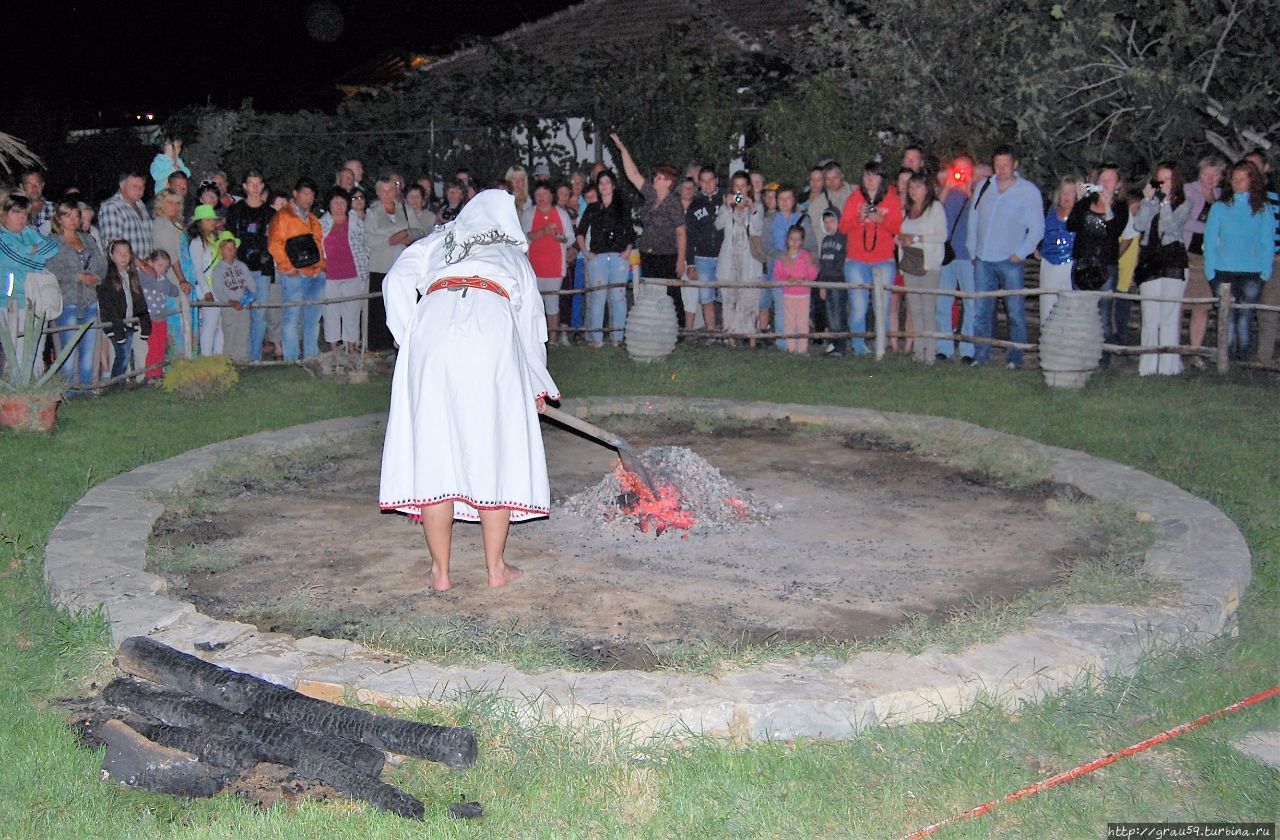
(463, 440)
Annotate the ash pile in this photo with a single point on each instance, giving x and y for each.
(692, 497)
(183, 726)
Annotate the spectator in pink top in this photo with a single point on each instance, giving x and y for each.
(795, 266)
(346, 254)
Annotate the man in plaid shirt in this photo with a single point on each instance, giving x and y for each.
(124, 216)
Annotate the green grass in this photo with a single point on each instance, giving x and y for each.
(1208, 435)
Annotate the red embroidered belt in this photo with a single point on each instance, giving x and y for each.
(468, 283)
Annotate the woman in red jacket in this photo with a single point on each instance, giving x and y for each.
(871, 219)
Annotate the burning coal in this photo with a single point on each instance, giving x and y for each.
(691, 495)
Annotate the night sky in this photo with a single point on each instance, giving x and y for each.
(102, 60)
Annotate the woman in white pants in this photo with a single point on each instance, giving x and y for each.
(1056, 247)
(1161, 268)
(347, 270)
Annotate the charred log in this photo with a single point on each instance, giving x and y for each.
(220, 750)
(276, 743)
(351, 768)
(157, 662)
(136, 761)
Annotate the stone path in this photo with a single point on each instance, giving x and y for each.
(1262, 745)
(97, 556)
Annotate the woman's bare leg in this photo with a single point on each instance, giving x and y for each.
(437, 524)
(1199, 325)
(494, 525)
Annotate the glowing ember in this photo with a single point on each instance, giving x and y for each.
(692, 496)
(659, 512)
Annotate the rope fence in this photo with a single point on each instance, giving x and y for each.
(880, 334)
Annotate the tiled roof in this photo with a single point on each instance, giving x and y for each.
(757, 26)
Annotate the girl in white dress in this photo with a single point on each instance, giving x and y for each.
(463, 440)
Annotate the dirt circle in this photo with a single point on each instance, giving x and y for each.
(859, 535)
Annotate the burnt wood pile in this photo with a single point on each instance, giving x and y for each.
(183, 726)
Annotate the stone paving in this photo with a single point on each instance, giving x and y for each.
(97, 556)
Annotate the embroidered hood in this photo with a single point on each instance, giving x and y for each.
(488, 219)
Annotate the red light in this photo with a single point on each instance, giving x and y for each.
(959, 176)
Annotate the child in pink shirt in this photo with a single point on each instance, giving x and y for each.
(795, 265)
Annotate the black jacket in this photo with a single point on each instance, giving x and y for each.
(111, 309)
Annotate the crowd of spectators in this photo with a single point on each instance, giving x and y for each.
(954, 224)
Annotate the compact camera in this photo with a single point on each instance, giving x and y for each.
(1092, 189)
(737, 198)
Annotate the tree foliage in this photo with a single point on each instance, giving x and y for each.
(1073, 82)
(671, 97)
(813, 122)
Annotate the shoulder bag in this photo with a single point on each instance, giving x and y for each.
(757, 245)
(302, 250)
(949, 253)
(44, 295)
(912, 261)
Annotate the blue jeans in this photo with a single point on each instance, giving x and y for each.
(957, 274)
(300, 287)
(120, 362)
(79, 365)
(771, 299)
(603, 270)
(1245, 288)
(579, 282)
(706, 268)
(258, 317)
(862, 272)
(989, 276)
(1113, 332)
(837, 314)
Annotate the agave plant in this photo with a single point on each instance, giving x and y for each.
(13, 150)
(20, 372)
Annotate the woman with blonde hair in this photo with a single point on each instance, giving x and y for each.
(517, 178)
(1058, 243)
(169, 236)
(79, 266)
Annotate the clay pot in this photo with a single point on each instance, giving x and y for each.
(651, 324)
(1071, 340)
(29, 412)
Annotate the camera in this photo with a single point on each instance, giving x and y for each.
(737, 198)
(1092, 189)
(1159, 192)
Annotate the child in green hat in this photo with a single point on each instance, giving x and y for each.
(233, 284)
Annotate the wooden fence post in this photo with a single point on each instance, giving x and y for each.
(184, 312)
(878, 307)
(1224, 326)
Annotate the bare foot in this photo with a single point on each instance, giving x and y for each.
(438, 582)
(507, 574)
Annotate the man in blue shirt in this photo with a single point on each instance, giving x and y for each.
(1006, 224)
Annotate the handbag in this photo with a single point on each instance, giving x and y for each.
(1157, 260)
(912, 261)
(44, 295)
(302, 250)
(949, 253)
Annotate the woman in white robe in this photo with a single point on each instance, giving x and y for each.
(463, 440)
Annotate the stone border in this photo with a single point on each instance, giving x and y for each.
(96, 556)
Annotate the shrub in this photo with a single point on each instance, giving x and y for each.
(197, 379)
